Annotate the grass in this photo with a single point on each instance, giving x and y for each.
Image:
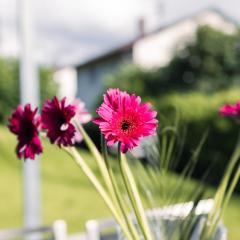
(66, 192)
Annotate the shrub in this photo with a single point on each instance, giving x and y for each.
(199, 113)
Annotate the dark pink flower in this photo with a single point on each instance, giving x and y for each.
(82, 115)
(24, 124)
(56, 119)
(237, 105)
(123, 118)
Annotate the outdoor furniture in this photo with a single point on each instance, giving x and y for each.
(108, 229)
(56, 231)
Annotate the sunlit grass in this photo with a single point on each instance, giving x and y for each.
(66, 192)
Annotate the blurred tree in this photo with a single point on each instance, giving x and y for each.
(9, 93)
(210, 63)
(48, 87)
(9, 85)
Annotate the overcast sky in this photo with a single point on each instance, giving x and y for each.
(70, 31)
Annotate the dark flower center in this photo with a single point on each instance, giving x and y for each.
(125, 125)
(58, 119)
(61, 119)
(28, 130)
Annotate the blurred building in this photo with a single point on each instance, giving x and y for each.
(148, 50)
(66, 79)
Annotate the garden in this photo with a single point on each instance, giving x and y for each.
(193, 123)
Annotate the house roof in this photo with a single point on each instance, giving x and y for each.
(109, 54)
(127, 47)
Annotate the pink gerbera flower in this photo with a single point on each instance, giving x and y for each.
(123, 118)
(24, 124)
(56, 119)
(82, 115)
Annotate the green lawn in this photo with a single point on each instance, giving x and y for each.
(66, 193)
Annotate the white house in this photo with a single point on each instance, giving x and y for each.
(148, 50)
(158, 48)
(66, 79)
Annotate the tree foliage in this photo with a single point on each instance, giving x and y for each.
(210, 63)
(9, 85)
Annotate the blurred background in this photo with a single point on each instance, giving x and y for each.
(182, 56)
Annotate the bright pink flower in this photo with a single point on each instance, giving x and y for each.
(229, 110)
(123, 118)
(111, 98)
(56, 119)
(24, 124)
(82, 115)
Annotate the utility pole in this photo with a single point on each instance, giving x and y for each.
(29, 93)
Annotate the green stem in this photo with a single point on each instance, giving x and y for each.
(88, 172)
(119, 198)
(101, 164)
(134, 196)
(100, 161)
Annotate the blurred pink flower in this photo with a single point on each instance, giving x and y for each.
(123, 118)
(56, 119)
(24, 124)
(81, 112)
(238, 107)
(229, 110)
(82, 115)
